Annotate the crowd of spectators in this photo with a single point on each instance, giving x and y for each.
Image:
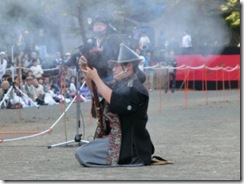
(163, 55)
(37, 77)
(30, 76)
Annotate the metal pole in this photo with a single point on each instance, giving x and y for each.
(78, 136)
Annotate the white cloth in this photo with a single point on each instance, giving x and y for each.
(37, 71)
(141, 64)
(17, 99)
(72, 87)
(144, 42)
(49, 99)
(186, 41)
(3, 66)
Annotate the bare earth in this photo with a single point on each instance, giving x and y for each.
(199, 131)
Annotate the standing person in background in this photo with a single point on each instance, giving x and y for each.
(135, 37)
(101, 47)
(173, 45)
(29, 45)
(186, 40)
(58, 60)
(104, 45)
(144, 43)
(71, 68)
(41, 44)
(34, 56)
(170, 77)
(149, 72)
(26, 64)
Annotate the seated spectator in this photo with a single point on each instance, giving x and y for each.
(85, 93)
(29, 73)
(49, 94)
(7, 77)
(40, 94)
(40, 81)
(72, 86)
(36, 69)
(4, 100)
(28, 89)
(17, 97)
(46, 84)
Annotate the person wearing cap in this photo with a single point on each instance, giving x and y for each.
(29, 90)
(125, 141)
(103, 45)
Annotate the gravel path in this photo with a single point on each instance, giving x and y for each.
(199, 131)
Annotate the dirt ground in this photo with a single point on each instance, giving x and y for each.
(198, 130)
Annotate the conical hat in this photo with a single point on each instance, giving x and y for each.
(126, 55)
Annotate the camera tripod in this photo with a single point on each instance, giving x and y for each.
(13, 88)
(10, 96)
(77, 138)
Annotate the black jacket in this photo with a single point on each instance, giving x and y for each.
(99, 59)
(130, 101)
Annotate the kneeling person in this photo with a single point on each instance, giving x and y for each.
(123, 138)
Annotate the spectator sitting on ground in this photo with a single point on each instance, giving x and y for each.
(36, 69)
(40, 94)
(16, 96)
(3, 91)
(7, 77)
(46, 84)
(28, 89)
(72, 86)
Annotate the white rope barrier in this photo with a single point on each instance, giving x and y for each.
(46, 69)
(160, 66)
(49, 130)
(155, 67)
(183, 67)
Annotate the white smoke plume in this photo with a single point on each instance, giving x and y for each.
(172, 17)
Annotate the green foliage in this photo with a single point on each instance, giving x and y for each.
(231, 11)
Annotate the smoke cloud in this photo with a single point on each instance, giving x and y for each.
(59, 19)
